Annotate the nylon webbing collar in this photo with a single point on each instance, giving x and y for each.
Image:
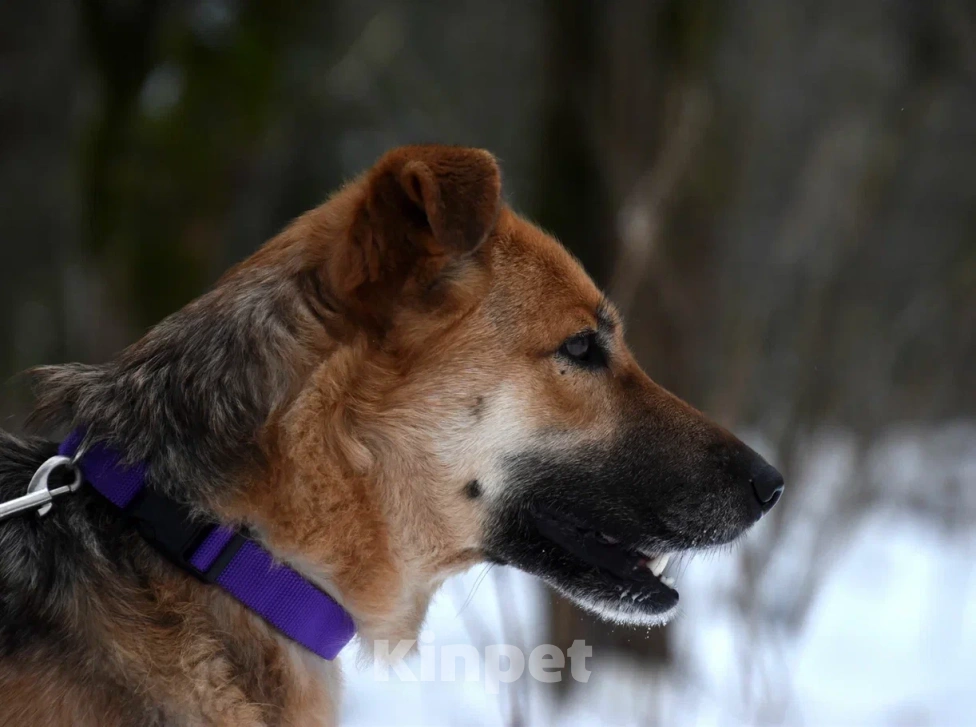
(219, 555)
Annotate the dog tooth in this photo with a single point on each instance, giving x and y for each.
(659, 564)
(668, 581)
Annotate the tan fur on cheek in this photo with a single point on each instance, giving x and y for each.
(356, 497)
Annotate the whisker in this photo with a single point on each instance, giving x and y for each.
(474, 588)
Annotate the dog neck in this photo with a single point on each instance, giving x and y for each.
(217, 398)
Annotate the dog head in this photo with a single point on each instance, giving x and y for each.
(478, 401)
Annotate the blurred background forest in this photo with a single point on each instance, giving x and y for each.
(780, 197)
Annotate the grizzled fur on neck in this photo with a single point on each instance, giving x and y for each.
(192, 397)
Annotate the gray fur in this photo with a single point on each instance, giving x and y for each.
(191, 397)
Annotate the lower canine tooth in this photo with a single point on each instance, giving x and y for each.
(659, 564)
(668, 581)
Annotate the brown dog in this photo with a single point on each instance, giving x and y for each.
(410, 379)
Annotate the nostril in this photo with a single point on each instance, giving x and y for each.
(767, 484)
(768, 505)
(755, 480)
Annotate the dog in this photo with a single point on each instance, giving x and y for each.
(408, 380)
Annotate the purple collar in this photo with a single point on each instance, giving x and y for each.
(217, 554)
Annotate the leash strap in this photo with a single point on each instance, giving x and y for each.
(217, 554)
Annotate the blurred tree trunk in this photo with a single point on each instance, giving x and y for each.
(572, 198)
(42, 84)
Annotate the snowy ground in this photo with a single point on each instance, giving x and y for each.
(890, 640)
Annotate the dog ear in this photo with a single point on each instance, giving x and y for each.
(421, 207)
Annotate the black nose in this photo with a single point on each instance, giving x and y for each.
(767, 483)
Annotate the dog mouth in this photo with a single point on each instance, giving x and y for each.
(601, 570)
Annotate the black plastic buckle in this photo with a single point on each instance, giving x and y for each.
(170, 528)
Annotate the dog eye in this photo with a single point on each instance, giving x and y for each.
(584, 349)
(578, 346)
